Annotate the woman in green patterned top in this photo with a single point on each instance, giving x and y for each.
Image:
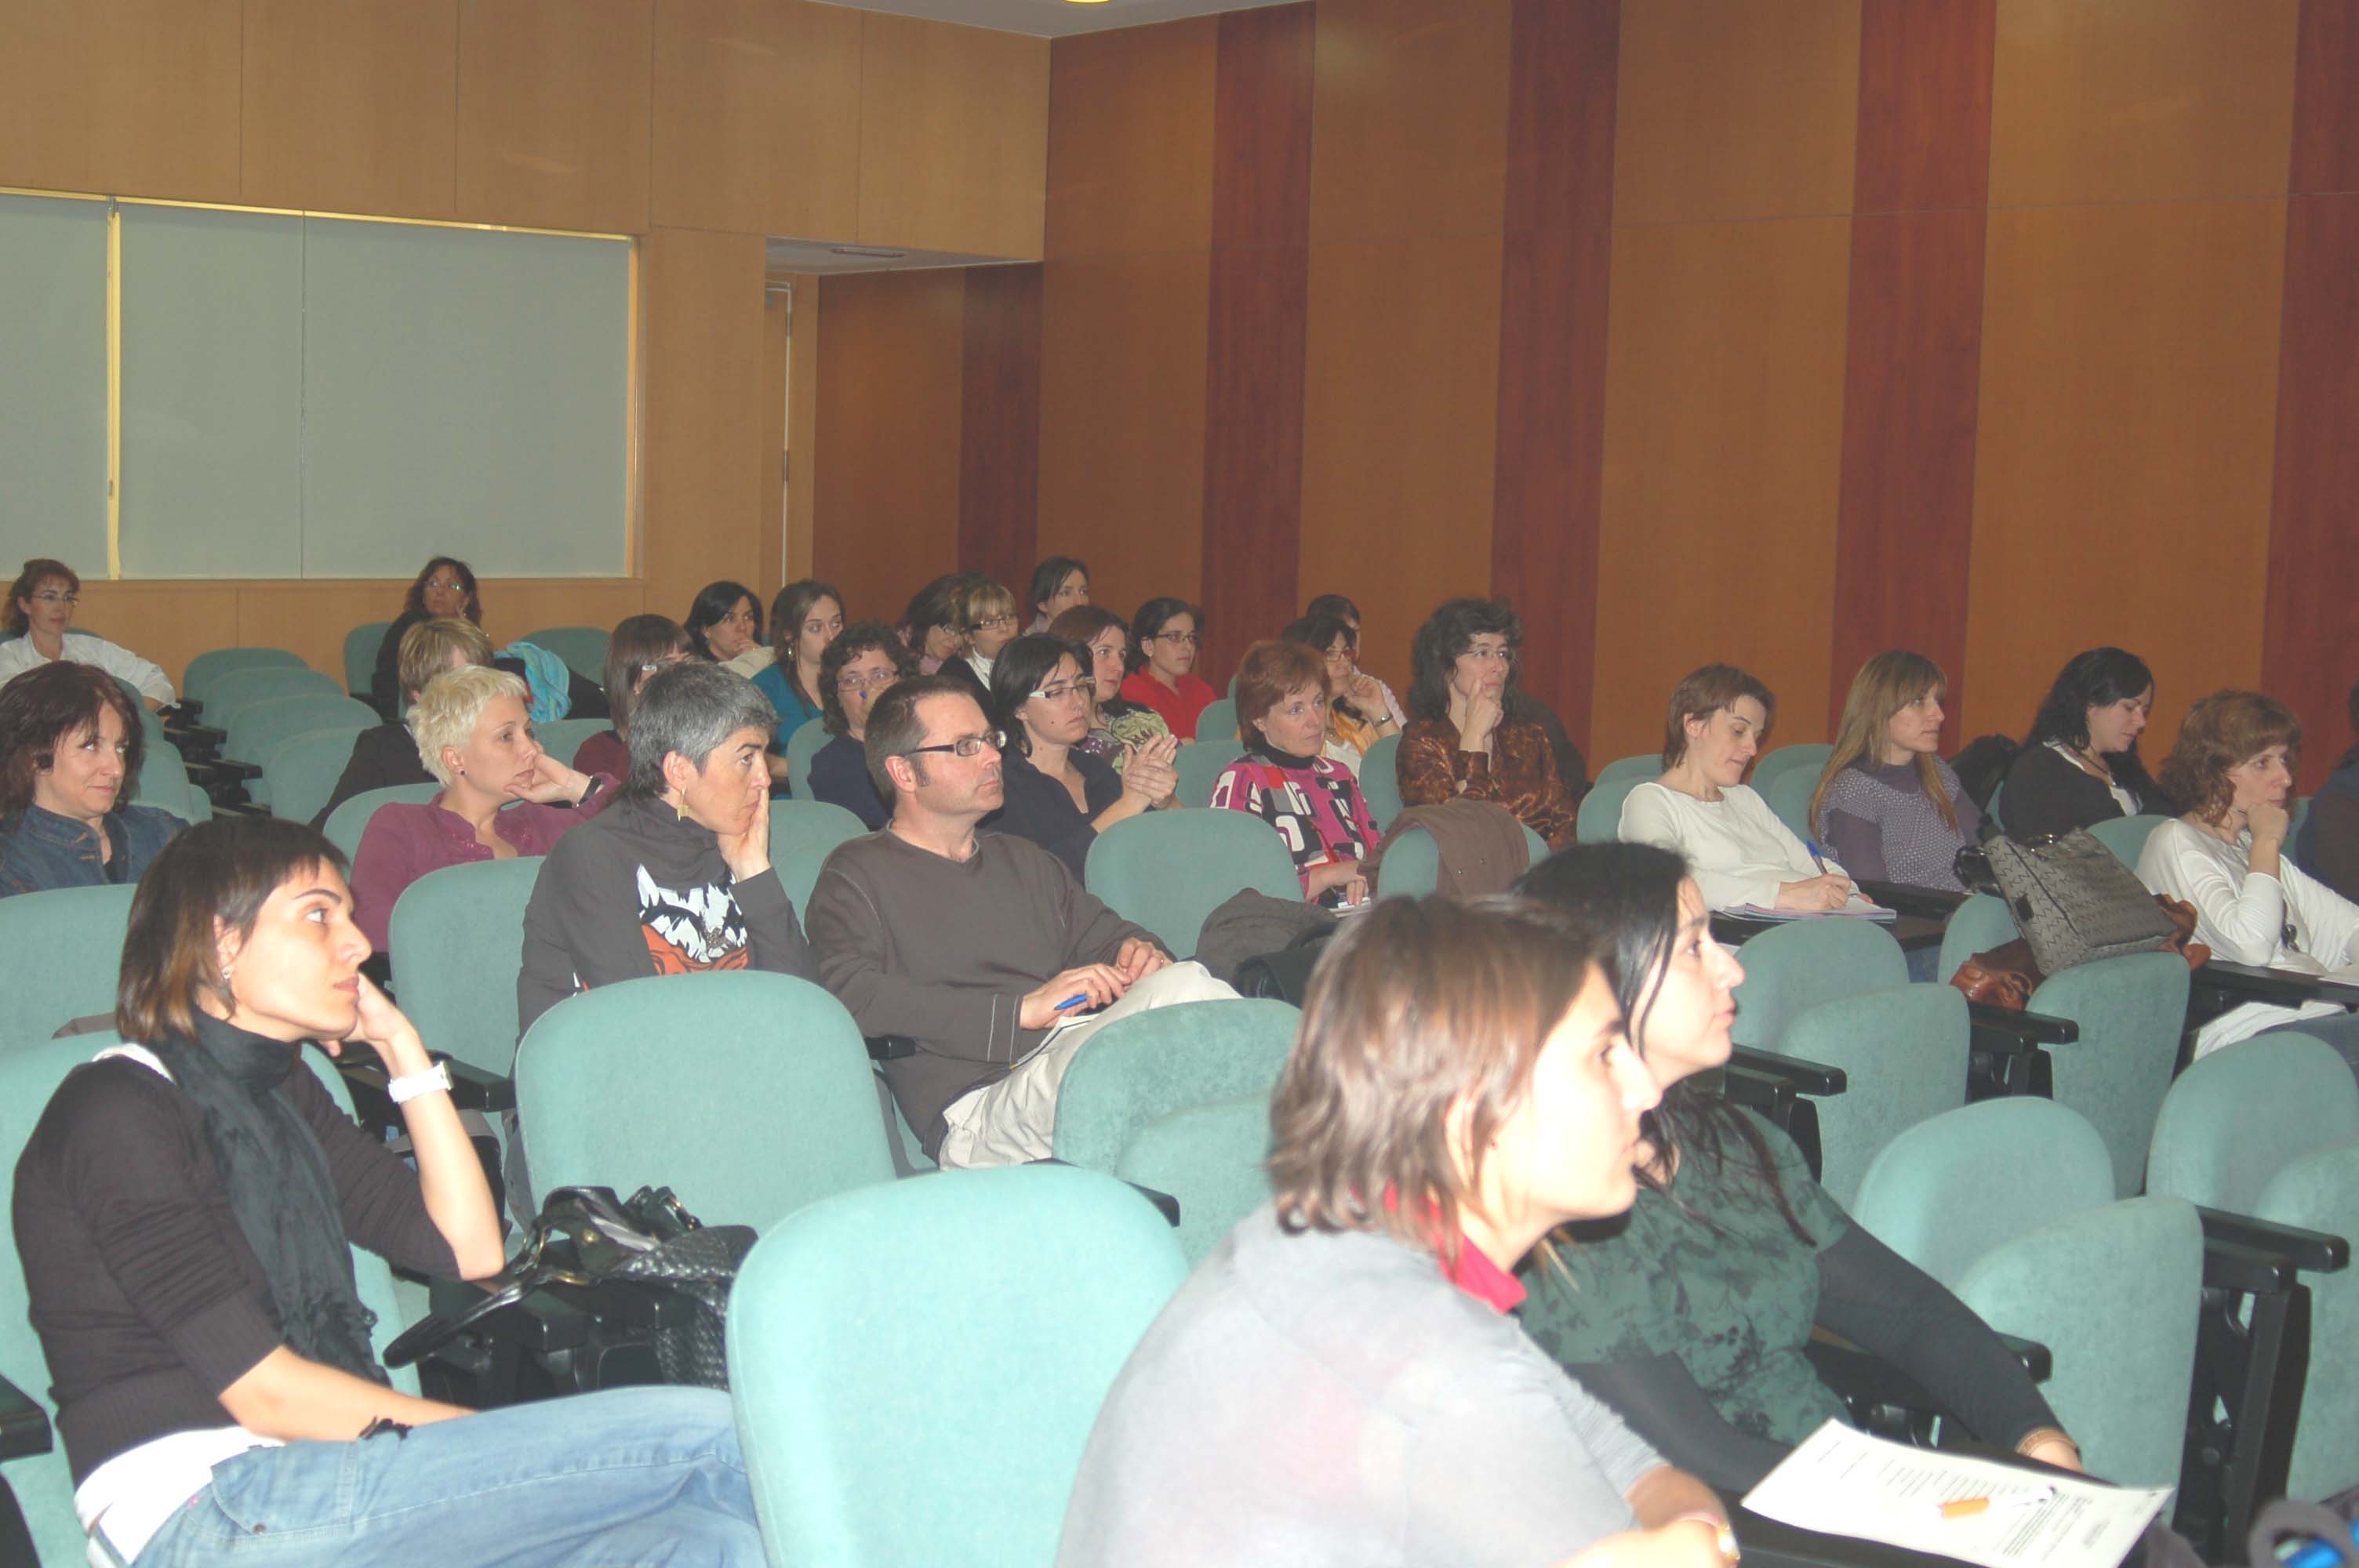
(1690, 1317)
(1118, 723)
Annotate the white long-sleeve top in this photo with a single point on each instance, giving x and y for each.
(20, 656)
(2290, 921)
(1736, 847)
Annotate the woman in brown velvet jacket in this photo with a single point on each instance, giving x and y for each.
(1460, 743)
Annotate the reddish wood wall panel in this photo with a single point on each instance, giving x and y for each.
(999, 423)
(2326, 97)
(1260, 295)
(1553, 298)
(1913, 355)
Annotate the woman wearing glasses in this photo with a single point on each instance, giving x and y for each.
(641, 645)
(1118, 725)
(1460, 743)
(1357, 715)
(39, 615)
(1314, 801)
(444, 591)
(1058, 796)
(1164, 637)
(854, 672)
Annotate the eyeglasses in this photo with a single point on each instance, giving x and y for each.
(1491, 655)
(445, 585)
(665, 663)
(54, 597)
(992, 622)
(853, 686)
(1185, 639)
(1068, 689)
(966, 745)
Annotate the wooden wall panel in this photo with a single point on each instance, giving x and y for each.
(1412, 117)
(1735, 109)
(953, 137)
(1924, 104)
(1553, 292)
(121, 97)
(351, 105)
(2311, 651)
(1259, 317)
(2140, 100)
(887, 436)
(553, 105)
(1402, 384)
(1122, 422)
(802, 426)
(778, 315)
(1130, 139)
(999, 423)
(702, 470)
(2122, 456)
(2326, 97)
(1723, 439)
(171, 623)
(757, 118)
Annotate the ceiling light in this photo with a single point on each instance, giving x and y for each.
(869, 252)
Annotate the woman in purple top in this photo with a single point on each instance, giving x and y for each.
(1888, 808)
(1312, 800)
(473, 735)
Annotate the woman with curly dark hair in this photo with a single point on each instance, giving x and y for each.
(69, 753)
(724, 625)
(2232, 766)
(2079, 763)
(866, 659)
(1460, 742)
(445, 589)
(1165, 635)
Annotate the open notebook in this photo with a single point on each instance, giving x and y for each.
(1857, 908)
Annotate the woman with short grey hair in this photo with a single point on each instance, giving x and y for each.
(677, 878)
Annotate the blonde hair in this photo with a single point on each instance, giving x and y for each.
(979, 599)
(1884, 685)
(427, 647)
(447, 709)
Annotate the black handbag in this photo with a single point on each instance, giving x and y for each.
(584, 1237)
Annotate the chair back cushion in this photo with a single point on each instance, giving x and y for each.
(1199, 767)
(1599, 820)
(2319, 1191)
(361, 644)
(1977, 925)
(2235, 1118)
(209, 666)
(1379, 780)
(1168, 870)
(1793, 968)
(458, 944)
(260, 683)
(1143, 1067)
(1903, 1052)
(2131, 1009)
(302, 770)
(1947, 1190)
(1214, 1159)
(65, 956)
(562, 738)
(803, 833)
(350, 820)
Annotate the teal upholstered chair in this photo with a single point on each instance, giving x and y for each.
(1201, 765)
(801, 747)
(164, 781)
(361, 644)
(1599, 820)
(2010, 1204)
(1168, 870)
(65, 954)
(1777, 762)
(1218, 722)
(562, 738)
(241, 689)
(1214, 1159)
(208, 667)
(257, 727)
(1635, 770)
(350, 820)
(1412, 863)
(301, 770)
(1137, 1068)
(583, 648)
(803, 833)
(748, 1094)
(458, 943)
(2131, 1012)
(1903, 1051)
(1787, 796)
(1793, 968)
(874, 1339)
(1379, 780)
(2319, 1191)
(29, 1074)
(2125, 835)
(1977, 925)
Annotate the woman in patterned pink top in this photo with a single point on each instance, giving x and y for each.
(1312, 800)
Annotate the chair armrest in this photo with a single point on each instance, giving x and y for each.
(1795, 1074)
(472, 1089)
(2281, 988)
(242, 771)
(890, 1047)
(2312, 1251)
(1165, 1204)
(2255, 1270)
(2002, 1029)
(1853, 1373)
(24, 1424)
(1901, 898)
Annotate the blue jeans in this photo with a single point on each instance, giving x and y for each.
(624, 1479)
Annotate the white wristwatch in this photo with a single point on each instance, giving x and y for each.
(410, 1085)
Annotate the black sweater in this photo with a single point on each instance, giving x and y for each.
(2045, 793)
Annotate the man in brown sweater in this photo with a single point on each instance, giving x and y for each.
(977, 948)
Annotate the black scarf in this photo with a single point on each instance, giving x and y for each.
(1268, 753)
(279, 1188)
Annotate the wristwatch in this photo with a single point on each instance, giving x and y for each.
(1724, 1535)
(410, 1085)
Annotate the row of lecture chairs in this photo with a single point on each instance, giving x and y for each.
(583, 649)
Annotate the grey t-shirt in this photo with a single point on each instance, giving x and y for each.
(1322, 1399)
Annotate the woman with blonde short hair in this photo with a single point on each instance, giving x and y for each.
(384, 755)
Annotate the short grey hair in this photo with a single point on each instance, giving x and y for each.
(690, 708)
(451, 704)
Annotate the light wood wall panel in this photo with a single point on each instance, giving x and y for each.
(2141, 100)
(2129, 376)
(1401, 379)
(1122, 421)
(778, 314)
(1724, 442)
(1411, 107)
(999, 423)
(1130, 139)
(123, 97)
(1735, 109)
(887, 436)
(171, 623)
(351, 105)
(702, 470)
(802, 424)
(953, 137)
(553, 102)
(757, 118)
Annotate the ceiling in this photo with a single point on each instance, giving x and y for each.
(1054, 18)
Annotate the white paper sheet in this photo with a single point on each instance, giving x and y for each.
(1847, 1483)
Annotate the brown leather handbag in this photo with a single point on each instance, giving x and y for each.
(2007, 975)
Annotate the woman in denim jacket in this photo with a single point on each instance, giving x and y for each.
(69, 751)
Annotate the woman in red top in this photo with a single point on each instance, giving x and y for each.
(1164, 637)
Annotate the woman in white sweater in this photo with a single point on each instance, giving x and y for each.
(2234, 761)
(1737, 849)
(40, 613)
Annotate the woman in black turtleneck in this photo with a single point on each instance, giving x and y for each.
(1312, 799)
(184, 1213)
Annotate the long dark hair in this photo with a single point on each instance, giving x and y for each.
(414, 603)
(712, 605)
(1631, 891)
(47, 707)
(1051, 575)
(2099, 677)
(638, 640)
(1148, 622)
(1018, 673)
(1317, 631)
(1444, 638)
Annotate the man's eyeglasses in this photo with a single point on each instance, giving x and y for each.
(1064, 689)
(853, 686)
(966, 745)
(53, 597)
(1185, 639)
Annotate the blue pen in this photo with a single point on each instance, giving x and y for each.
(1073, 1001)
(1817, 859)
(2316, 1553)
